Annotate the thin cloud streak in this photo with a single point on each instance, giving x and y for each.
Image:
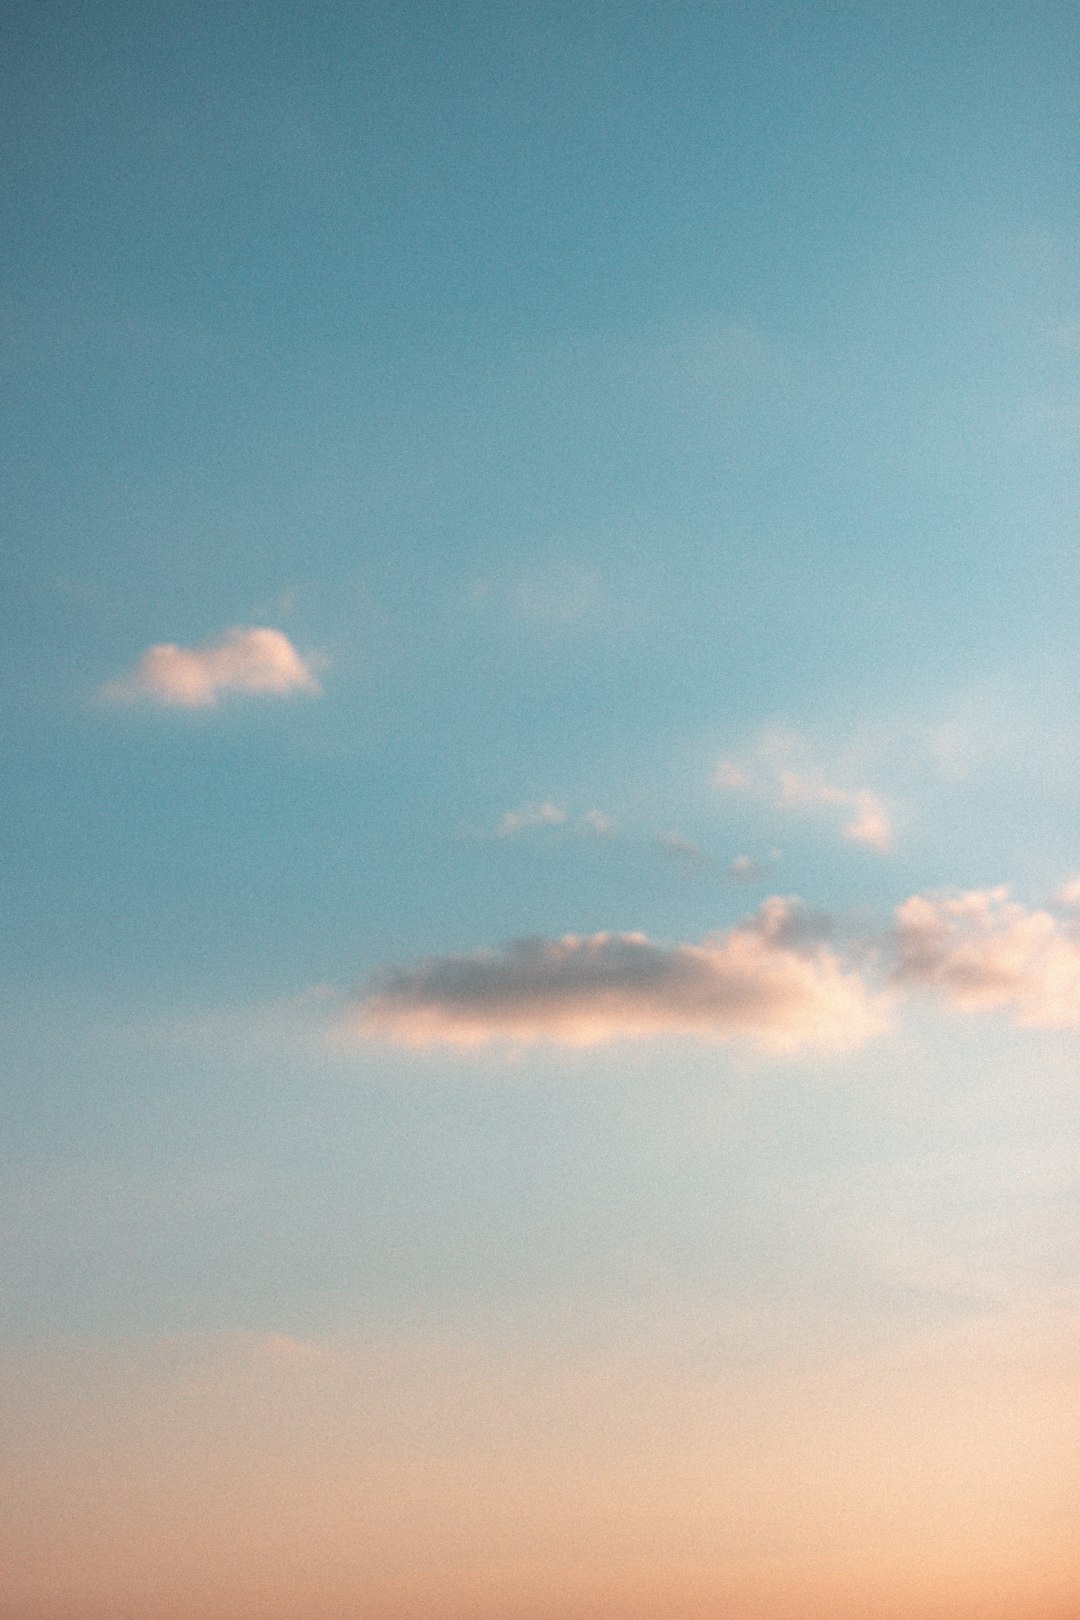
(768, 982)
(531, 816)
(256, 661)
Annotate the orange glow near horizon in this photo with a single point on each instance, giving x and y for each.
(242, 1477)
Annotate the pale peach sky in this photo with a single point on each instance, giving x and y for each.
(238, 1474)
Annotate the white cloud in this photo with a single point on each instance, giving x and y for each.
(768, 982)
(254, 660)
(981, 951)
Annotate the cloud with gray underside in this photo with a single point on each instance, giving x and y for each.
(771, 982)
(775, 981)
(979, 950)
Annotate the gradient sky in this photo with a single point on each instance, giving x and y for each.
(541, 871)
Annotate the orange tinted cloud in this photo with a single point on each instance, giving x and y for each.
(767, 777)
(869, 821)
(767, 982)
(980, 951)
(254, 660)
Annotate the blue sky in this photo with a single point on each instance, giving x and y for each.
(539, 824)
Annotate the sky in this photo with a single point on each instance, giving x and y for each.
(541, 958)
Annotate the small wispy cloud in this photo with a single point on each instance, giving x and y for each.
(748, 869)
(688, 855)
(256, 661)
(732, 777)
(982, 951)
(531, 816)
(868, 822)
(281, 605)
(767, 775)
(555, 596)
(695, 861)
(770, 982)
(599, 824)
(547, 815)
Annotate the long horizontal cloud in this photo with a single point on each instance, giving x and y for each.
(980, 951)
(768, 982)
(772, 981)
(255, 660)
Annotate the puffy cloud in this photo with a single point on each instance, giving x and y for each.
(867, 821)
(599, 823)
(981, 950)
(253, 660)
(770, 982)
(773, 982)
